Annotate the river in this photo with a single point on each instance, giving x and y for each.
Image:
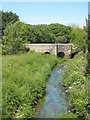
(55, 101)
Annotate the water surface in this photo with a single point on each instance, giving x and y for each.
(55, 101)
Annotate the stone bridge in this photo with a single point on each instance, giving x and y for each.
(60, 50)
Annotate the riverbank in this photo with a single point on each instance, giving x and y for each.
(24, 82)
(76, 84)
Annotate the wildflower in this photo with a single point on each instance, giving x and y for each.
(74, 83)
(70, 87)
(66, 91)
(78, 82)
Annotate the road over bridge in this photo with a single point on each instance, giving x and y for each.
(58, 49)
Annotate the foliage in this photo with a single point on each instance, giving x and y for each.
(12, 41)
(68, 115)
(88, 65)
(76, 84)
(79, 37)
(41, 34)
(88, 59)
(61, 30)
(61, 39)
(18, 34)
(24, 82)
(8, 18)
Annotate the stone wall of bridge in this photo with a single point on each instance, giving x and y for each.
(65, 48)
(51, 48)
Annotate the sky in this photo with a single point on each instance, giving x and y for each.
(49, 12)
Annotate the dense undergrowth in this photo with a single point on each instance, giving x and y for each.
(24, 82)
(76, 84)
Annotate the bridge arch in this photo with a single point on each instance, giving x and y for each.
(47, 52)
(60, 54)
(27, 49)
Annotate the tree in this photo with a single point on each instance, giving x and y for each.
(61, 39)
(12, 43)
(41, 34)
(61, 30)
(16, 34)
(8, 18)
(79, 37)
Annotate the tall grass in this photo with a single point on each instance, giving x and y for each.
(24, 82)
(76, 84)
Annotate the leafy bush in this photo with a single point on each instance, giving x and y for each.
(61, 30)
(61, 39)
(41, 34)
(8, 18)
(68, 115)
(12, 43)
(76, 84)
(24, 82)
(78, 38)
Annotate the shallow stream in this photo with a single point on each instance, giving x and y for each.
(55, 101)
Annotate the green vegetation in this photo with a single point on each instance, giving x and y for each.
(88, 44)
(68, 115)
(75, 78)
(14, 38)
(24, 82)
(61, 39)
(16, 34)
(61, 30)
(78, 38)
(8, 18)
(76, 84)
(88, 58)
(24, 75)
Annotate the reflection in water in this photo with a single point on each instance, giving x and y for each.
(55, 102)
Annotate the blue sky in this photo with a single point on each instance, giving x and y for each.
(49, 12)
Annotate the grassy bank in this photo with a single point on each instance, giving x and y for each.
(24, 82)
(76, 84)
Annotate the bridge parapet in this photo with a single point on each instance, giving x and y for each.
(51, 48)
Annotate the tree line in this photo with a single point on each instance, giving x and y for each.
(15, 34)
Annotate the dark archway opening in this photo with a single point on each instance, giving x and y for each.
(47, 52)
(61, 54)
(73, 54)
(27, 49)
